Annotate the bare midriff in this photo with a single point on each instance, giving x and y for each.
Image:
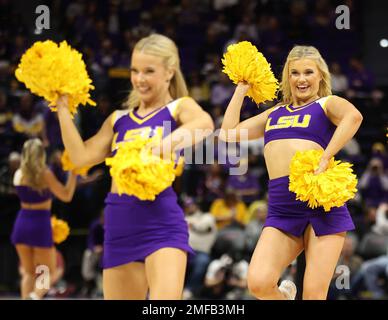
(44, 205)
(278, 154)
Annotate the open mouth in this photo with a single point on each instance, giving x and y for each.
(143, 90)
(303, 88)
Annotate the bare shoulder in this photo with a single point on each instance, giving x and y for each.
(334, 101)
(336, 108)
(188, 109)
(188, 102)
(47, 174)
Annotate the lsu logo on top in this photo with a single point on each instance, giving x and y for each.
(288, 122)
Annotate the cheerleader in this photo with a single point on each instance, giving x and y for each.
(145, 242)
(309, 117)
(32, 235)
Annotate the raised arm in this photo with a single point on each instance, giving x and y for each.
(90, 152)
(62, 192)
(232, 129)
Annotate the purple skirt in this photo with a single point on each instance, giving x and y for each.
(33, 228)
(293, 216)
(134, 228)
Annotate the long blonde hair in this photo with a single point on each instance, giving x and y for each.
(307, 52)
(33, 163)
(163, 47)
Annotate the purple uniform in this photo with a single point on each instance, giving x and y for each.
(134, 228)
(33, 227)
(307, 122)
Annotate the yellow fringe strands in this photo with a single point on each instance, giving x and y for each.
(136, 171)
(180, 166)
(67, 165)
(328, 189)
(49, 70)
(244, 63)
(60, 228)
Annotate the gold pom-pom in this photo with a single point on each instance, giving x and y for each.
(60, 228)
(328, 189)
(50, 71)
(136, 171)
(67, 165)
(244, 63)
(180, 166)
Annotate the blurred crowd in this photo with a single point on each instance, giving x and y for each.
(225, 213)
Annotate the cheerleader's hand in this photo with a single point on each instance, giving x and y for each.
(242, 88)
(323, 164)
(63, 101)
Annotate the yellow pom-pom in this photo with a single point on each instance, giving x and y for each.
(180, 167)
(49, 71)
(136, 171)
(67, 165)
(328, 189)
(60, 229)
(243, 62)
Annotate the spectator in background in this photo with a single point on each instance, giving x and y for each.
(93, 118)
(202, 234)
(229, 209)
(217, 114)
(210, 47)
(211, 67)
(6, 131)
(222, 91)
(257, 213)
(220, 26)
(339, 82)
(198, 89)
(245, 187)
(378, 151)
(213, 185)
(272, 39)
(28, 121)
(348, 259)
(226, 278)
(91, 261)
(381, 225)
(361, 80)
(7, 172)
(107, 57)
(351, 152)
(297, 22)
(144, 28)
(247, 28)
(373, 184)
(187, 13)
(368, 277)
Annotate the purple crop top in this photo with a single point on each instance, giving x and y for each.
(307, 122)
(29, 195)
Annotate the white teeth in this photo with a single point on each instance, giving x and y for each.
(143, 89)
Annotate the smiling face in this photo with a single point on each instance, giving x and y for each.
(304, 78)
(149, 76)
